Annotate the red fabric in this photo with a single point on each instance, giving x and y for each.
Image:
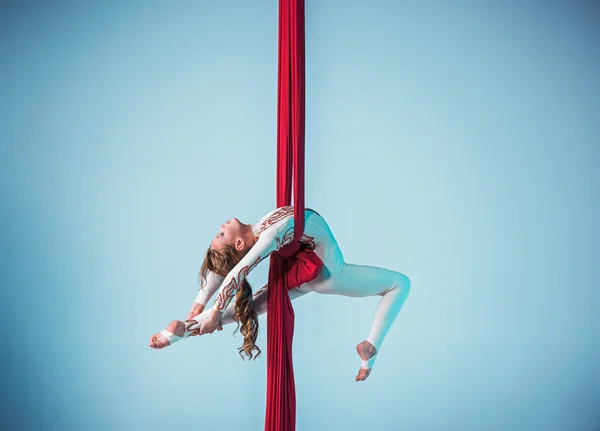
(294, 264)
(284, 274)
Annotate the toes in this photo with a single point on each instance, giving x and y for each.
(359, 376)
(158, 341)
(152, 342)
(362, 374)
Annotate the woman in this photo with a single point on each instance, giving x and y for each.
(239, 247)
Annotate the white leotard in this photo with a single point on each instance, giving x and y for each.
(336, 277)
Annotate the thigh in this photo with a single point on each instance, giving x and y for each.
(260, 298)
(366, 280)
(356, 280)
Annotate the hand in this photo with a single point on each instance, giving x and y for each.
(211, 324)
(195, 310)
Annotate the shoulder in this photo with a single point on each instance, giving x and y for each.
(274, 218)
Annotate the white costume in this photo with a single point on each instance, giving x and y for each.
(336, 277)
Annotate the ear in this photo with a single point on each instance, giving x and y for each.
(240, 244)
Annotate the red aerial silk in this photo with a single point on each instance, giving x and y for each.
(294, 264)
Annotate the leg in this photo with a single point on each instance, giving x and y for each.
(260, 299)
(179, 328)
(360, 281)
(339, 278)
(394, 287)
(260, 306)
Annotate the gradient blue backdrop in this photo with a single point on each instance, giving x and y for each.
(456, 142)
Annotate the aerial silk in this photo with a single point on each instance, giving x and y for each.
(295, 263)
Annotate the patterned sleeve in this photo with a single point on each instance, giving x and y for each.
(210, 284)
(269, 241)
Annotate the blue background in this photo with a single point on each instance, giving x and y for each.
(456, 142)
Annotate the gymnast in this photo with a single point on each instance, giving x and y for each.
(238, 248)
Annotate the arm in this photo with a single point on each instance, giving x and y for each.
(271, 240)
(209, 286)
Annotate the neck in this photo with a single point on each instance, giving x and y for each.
(248, 235)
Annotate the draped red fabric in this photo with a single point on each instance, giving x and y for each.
(295, 263)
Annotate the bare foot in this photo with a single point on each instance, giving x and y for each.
(158, 341)
(366, 351)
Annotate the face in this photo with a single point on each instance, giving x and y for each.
(229, 233)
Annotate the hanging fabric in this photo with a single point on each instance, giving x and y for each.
(295, 263)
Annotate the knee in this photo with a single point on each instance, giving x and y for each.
(403, 283)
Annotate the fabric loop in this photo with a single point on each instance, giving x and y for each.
(302, 267)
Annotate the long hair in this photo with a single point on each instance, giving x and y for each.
(221, 262)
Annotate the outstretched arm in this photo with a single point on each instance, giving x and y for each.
(210, 284)
(178, 330)
(271, 240)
